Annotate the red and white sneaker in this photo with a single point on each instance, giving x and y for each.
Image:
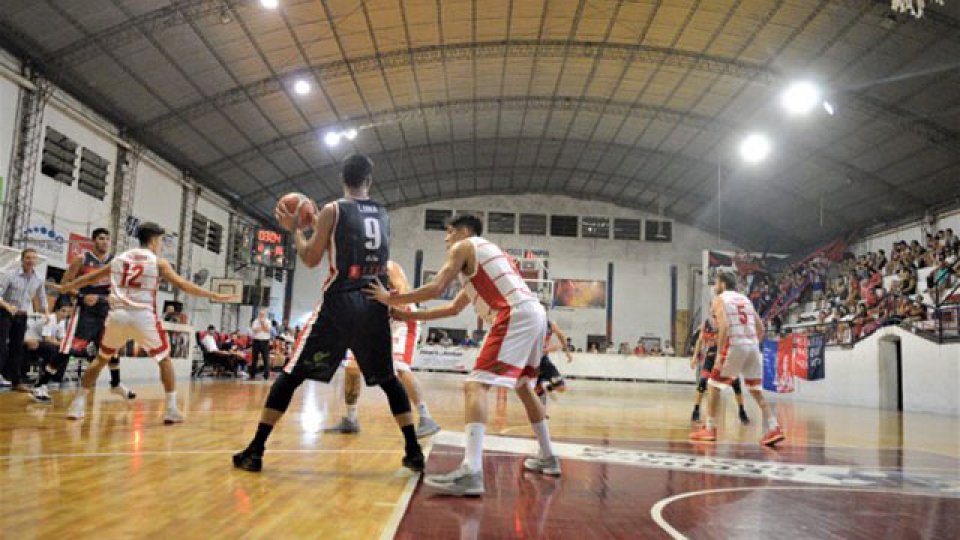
(704, 434)
(772, 437)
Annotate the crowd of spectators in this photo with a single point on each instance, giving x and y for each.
(849, 297)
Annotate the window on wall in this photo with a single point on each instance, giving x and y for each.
(502, 222)
(198, 230)
(93, 174)
(477, 213)
(595, 227)
(535, 224)
(657, 230)
(436, 220)
(626, 229)
(214, 237)
(563, 226)
(59, 159)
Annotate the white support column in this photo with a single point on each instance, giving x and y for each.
(125, 186)
(191, 194)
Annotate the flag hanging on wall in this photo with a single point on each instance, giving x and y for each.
(792, 357)
(816, 367)
(770, 347)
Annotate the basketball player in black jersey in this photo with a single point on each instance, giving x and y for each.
(85, 325)
(354, 233)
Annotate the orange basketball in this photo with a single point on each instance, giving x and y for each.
(300, 206)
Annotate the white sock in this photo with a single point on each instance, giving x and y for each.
(82, 393)
(711, 424)
(352, 413)
(772, 422)
(422, 410)
(543, 437)
(473, 453)
(172, 400)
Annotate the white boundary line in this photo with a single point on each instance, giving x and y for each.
(656, 511)
(390, 529)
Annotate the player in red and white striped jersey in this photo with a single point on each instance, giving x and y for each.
(739, 330)
(405, 335)
(510, 355)
(134, 278)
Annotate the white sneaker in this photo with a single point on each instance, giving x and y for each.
(549, 466)
(41, 395)
(77, 408)
(427, 427)
(460, 482)
(123, 392)
(172, 416)
(5, 383)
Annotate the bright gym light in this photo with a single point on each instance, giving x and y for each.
(350, 134)
(270, 4)
(755, 147)
(828, 107)
(800, 97)
(302, 87)
(332, 138)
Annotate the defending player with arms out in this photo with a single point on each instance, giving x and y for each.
(405, 336)
(85, 325)
(134, 278)
(510, 353)
(706, 350)
(549, 379)
(739, 330)
(354, 234)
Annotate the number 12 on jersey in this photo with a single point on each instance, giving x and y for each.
(131, 275)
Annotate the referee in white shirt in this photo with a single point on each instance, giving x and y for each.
(260, 329)
(21, 292)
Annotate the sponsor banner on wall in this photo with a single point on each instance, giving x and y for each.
(77, 246)
(792, 357)
(446, 358)
(580, 293)
(47, 241)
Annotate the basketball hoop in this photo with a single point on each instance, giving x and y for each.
(914, 7)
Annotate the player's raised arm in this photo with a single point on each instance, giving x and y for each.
(167, 273)
(439, 312)
(457, 257)
(73, 286)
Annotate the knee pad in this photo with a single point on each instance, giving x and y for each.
(396, 396)
(702, 385)
(736, 386)
(282, 392)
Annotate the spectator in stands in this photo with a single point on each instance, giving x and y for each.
(624, 348)
(640, 349)
(940, 280)
(907, 282)
(570, 346)
(42, 339)
(668, 349)
(860, 319)
(819, 289)
(593, 348)
(655, 351)
(232, 360)
(446, 341)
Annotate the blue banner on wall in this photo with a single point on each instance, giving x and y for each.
(816, 367)
(770, 348)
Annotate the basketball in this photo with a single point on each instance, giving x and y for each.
(299, 205)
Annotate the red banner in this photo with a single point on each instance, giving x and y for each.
(801, 345)
(77, 245)
(785, 364)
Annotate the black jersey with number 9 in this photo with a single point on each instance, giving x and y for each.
(359, 247)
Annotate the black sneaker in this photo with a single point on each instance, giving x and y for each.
(248, 461)
(744, 419)
(695, 417)
(414, 461)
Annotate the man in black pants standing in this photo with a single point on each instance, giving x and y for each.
(355, 233)
(260, 330)
(21, 291)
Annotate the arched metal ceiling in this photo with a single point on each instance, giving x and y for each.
(633, 102)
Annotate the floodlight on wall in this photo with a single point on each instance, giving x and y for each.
(270, 4)
(828, 107)
(350, 134)
(302, 87)
(800, 97)
(755, 148)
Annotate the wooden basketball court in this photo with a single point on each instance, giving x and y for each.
(629, 471)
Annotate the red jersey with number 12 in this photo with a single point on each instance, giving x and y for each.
(134, 278)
